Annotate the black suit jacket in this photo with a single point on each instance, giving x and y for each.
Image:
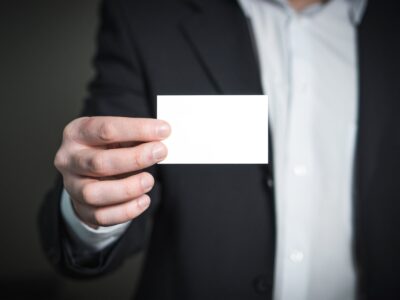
(213, 233)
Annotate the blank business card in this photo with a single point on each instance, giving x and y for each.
(215, 129)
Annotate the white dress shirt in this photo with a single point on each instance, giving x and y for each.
(309, 70)
(93, 239)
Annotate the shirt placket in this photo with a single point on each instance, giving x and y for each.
(298, 206)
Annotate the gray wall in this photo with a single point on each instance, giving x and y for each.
(45, 52)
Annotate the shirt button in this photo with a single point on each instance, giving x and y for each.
(300, 170)
(296, 256)
(270, 182)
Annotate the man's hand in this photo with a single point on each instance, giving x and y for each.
(101, 159)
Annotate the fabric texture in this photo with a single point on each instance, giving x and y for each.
(213, 231)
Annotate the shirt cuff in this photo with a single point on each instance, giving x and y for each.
(90, 238)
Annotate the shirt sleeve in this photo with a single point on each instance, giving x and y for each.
(83, 235)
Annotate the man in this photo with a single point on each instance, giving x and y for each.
(319, 222)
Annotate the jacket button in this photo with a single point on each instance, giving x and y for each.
(270, 182)
(262, 285)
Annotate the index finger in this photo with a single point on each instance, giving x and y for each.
(99, 131)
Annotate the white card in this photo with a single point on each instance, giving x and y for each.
(215, 129)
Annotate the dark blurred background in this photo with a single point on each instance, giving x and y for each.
(45, 53)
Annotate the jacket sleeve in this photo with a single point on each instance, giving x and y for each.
(118, 89)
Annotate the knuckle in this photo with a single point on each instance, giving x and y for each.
(72, 129)
(60, 160)
(85, 125)
(106, 132)
(68, 132)
(83, 120)
(96, 163)
(78, 161)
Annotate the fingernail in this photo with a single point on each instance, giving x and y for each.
(159, 152)
(144, 202)
(147, 183)
(163, 130)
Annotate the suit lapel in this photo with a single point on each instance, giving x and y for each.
(219, 35)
